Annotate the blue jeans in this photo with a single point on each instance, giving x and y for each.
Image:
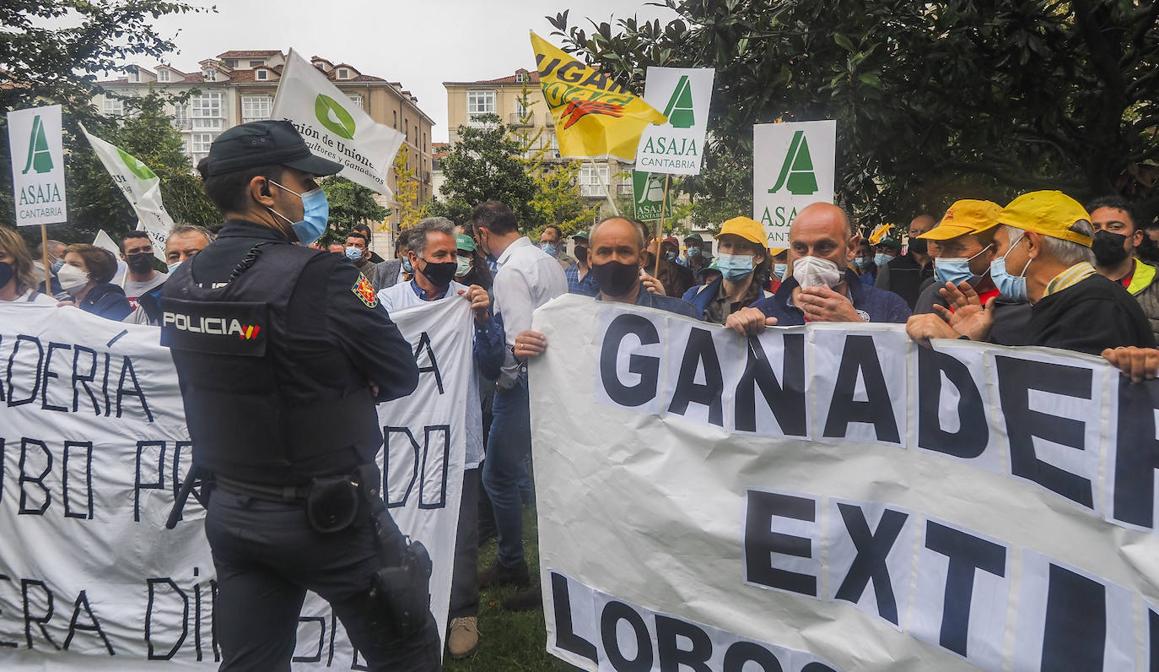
(507, 445)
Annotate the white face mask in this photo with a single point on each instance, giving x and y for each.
(816, 272)
(71, 278)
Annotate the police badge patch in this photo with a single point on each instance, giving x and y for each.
(365, 291)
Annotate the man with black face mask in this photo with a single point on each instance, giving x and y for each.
(908, 274)
(1116, 244)
(137, 252)
(580, 279)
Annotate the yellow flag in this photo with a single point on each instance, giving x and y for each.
(594, 117)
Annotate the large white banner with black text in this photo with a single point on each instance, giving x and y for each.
(93, 446)
(834, 497)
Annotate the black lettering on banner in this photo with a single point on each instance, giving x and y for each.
(356, 664)
(740, 654)
(565, 635)
(1016, 378)
(82, 602)
(433, 367)
(817, 667)
(152, 584)
(105, 387)
(760, 542)
(671, 656)
(700, 353)
(647, 368)
(138, 484)
(1136, 453)
(787, 400)
(860, 355)
(84, 379)
(316, 657)
(4, 644)
(973, 431)
(418, 456)
(613, 613)
(3, 459)
(966, 554)
(87, 514)
(40, 619)
(437, 499)
(127, 368)
(22, 338)
(873, 548)
(1152, 641)
(38, 480)
(1075, 635)
(213, 631)
(49, 375)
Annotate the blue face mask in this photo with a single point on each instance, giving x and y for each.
(956, 270)
(881, 259)
(1012, 287)
(315, 214)
(406, 267)
(694, 252)
(735, 266)
(549, 249)
(779, 270)
(57, 265)
(353, 253)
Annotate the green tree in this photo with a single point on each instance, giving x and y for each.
(934, 101)
(147, 133)
(406, 191)
(485, 164)
(351, 204)
(52, 51)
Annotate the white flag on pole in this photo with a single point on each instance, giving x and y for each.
(334, 127)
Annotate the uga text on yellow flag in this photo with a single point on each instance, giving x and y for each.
(594, 117)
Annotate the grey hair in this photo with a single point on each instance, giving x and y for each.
(429, 225)
(640, 236)
(1067, 252)
(192, 228)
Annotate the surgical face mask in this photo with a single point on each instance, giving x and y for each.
(57, 265)
(315, 214)
(881, 259)
(6, 273)
(670, 255)
(550, 249)
(860, 263)
(406, 266)
(72, 278)
(173, 265)
(1109, 248)
(694, 252)
(816, 272)
(1010, 286)
(735, 266)
(463, 266)
(956, 269)
(780, 270)
(353, 253)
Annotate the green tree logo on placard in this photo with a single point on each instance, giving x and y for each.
(797, 170)
(39, 156)
(679, 107)
(135, 167)
(648, 195)
(333, 116)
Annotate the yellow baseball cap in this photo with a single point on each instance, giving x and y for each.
(745, 227)
(965, 217)
(1050, 213)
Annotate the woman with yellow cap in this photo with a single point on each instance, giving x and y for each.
(743, 261)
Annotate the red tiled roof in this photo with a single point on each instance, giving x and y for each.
(510, 79)
(250, 54)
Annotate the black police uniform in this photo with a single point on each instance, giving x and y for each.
(276, 347)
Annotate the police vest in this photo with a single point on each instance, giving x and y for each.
(228, 344)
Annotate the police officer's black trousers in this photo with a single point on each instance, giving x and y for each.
(267, 556)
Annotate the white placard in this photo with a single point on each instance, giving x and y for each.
(677, 146)
(37, 165)
(793, 166)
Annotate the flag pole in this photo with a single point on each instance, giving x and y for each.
(44, 259)
(660, 226)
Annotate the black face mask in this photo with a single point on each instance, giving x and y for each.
(141, 262)
(581, 253)
(440, 274)
(919, 246)
(6, 272)
(616, 279)
(1108, 248)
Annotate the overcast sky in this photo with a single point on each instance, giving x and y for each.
(421, 43)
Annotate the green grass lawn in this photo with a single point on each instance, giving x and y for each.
(510, 642)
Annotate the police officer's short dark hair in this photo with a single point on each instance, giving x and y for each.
(495, 217)
(100, 263)
(228, 190)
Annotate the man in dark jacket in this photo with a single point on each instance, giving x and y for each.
(906, 274)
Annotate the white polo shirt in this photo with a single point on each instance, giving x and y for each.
(527, 279)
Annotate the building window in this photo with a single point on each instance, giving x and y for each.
(521, 78)
(181, 117)
(231, 62)
(114, 107)
(255, 108)
(394, 124)
(254, 64)
(205, 111)
(356, 99)
(343, 73)
(480, 103)
(209, 74)
(199, 145)
(262, 75)
(593, 179)
(162, 75)
(135, 75)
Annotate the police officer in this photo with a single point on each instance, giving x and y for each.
(281, 352)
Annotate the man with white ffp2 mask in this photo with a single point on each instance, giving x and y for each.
(822, 288)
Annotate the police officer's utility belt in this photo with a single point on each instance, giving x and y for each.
(332, 503)
(267, 493)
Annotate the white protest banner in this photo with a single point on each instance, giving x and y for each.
(676, 147)
(104, 241)
(334, 127)
(141, 187)
(93, 447)
(833, 497)
(37, 153)
(793, 165)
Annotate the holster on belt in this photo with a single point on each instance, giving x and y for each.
(194, 477)
(402, 589)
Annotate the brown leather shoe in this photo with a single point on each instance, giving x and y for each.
(463, 637)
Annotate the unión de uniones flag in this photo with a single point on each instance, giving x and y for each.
(594, 117)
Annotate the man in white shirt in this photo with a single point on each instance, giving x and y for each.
(137, 251)
(432, 253)
(527, 279)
